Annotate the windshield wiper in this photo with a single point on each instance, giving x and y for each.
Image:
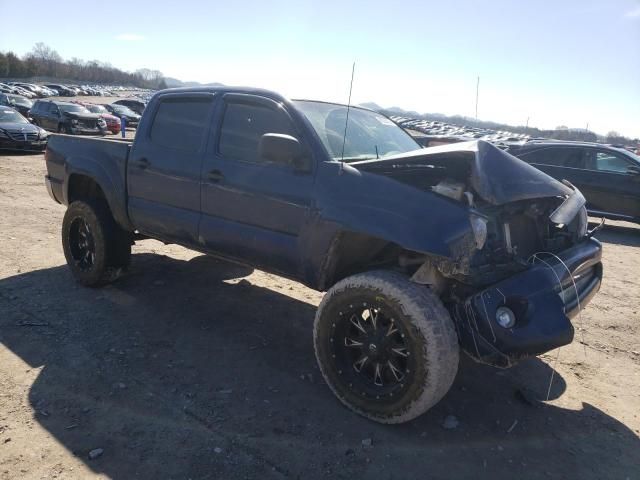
(357, 158)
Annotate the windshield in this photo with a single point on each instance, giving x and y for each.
(123, 109)
(18, 100)
(632, 155)
(8, 115)
(369, 134)
(73, 108)
(97, 109)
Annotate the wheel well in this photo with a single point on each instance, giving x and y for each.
(352, 253)
(83, 187)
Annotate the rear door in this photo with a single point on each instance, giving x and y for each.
(253, 210)
(163, 171)
(611, 188)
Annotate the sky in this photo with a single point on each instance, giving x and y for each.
(556, 63)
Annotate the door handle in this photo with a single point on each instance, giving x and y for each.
(216, 176)
(143, 163)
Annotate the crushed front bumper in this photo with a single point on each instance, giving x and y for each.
(544, 298)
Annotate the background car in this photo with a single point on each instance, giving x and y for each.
(62, 90)
(113, 122)
(17, 102)
(16, 133)
(137, 106)
(120, 111)
(64, 117)
(607, 176)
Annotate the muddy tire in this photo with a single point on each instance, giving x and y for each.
(386, 346)
(96, 248)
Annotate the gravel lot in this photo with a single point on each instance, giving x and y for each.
(190, 367)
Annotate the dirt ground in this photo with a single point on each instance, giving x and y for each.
(192, 368)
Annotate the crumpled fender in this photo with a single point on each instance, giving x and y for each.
(379, 206)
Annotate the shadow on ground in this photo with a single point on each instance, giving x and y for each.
(184, 370)
(620, 233)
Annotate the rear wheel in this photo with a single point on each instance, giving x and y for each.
(385, 345)
(97, 250)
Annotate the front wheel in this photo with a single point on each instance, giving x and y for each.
(386, 346)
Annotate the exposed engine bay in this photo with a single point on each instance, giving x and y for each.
(515, 210)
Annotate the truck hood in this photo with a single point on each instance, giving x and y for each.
(496, 176)
(12, 127)
(83, 116)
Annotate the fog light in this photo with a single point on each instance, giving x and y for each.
(505, 317)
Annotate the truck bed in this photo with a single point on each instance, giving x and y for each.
(104, 159)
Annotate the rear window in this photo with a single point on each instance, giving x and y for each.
(180, 123)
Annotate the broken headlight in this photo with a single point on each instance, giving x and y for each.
(479, 227)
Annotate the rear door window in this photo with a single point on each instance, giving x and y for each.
(558, 157)
(243, 126)
(181, 123)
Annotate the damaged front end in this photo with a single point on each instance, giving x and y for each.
(526, 266)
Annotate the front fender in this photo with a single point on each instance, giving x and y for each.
(379, 206)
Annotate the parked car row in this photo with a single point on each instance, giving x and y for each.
(32, 90)
(24, 124)
(437, 132)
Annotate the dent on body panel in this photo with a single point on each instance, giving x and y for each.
(382, 207)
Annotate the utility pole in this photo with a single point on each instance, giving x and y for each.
(477, 90)
(527, 127)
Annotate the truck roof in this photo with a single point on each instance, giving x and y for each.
(250, 91)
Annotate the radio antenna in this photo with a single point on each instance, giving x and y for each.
(346, 122)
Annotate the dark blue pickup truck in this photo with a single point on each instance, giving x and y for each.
(421, 251)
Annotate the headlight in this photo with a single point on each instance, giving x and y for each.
(74, 121)
(479, 227)
(42, 133)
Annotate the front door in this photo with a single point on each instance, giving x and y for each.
(252, 209)
(51, 117)
(163, 171)
(611, 187)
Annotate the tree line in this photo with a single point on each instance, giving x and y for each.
(43, 61)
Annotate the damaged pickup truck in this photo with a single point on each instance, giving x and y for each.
(422, 252)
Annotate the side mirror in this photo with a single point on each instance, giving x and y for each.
(284, 150)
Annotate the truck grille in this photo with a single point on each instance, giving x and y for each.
(87, 124)
(23, 137)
